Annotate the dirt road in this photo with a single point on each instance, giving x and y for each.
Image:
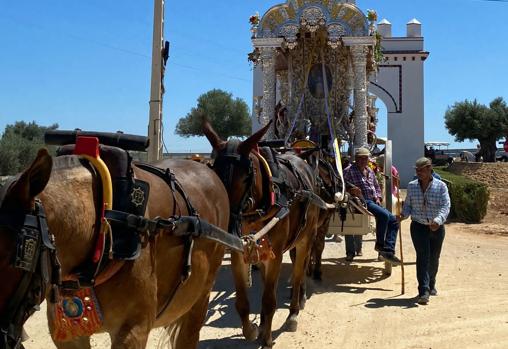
(357, 306)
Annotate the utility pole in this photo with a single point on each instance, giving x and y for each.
(156, 90)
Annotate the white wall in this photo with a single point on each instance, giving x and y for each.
(400, 85)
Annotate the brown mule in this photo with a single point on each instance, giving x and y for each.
(329, 185)
(145, 293)
(245, 180)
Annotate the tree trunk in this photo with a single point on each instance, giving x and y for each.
(488, 149)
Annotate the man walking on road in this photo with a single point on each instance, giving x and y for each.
(428, 204)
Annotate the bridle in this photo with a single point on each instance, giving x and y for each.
(36, 257)
(329, 188)
(226, 160)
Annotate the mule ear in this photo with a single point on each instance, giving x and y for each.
(247, 145)
(40, 172)
(214, 139)
(31, 182)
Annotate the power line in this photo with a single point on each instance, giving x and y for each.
(38, 27)
(208, 71)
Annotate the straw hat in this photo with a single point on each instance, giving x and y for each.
(362, 152)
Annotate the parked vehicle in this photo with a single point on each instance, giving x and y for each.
(436, 152)
(502, 154)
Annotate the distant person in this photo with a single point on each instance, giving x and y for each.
(432, 153)
(478, 154)
(428, 204)
(353, 242)
(380, 161)
(353, 246)
(365, 186)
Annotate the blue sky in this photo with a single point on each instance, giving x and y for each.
(86, 64)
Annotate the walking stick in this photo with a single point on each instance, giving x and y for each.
(399, 211)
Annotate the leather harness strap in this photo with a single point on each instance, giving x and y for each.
(179, 226)
(169, 177)
(36, 257)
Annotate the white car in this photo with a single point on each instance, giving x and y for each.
(467, 156)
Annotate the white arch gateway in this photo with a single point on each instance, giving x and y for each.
(296, 41)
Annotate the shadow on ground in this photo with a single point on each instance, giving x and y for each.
(223, 303)
(404, 303)
(338, 276)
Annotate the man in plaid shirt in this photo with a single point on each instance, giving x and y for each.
(365, 186)
(428, 204)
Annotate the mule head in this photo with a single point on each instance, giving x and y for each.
(16, 200)
(236, 167)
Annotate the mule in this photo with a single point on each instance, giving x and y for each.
(247, 184)
(329, 184)
(145, 293)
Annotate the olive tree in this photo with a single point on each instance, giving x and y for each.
(229, 116)
(474, 121)
(19, 144)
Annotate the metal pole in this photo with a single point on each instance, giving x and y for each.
(399, 212)
(155, 123)
(388, 176)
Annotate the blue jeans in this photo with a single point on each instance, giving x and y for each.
(353, 244)
(387, 226)
(428, 245)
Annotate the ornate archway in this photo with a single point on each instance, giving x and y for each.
(292, 40)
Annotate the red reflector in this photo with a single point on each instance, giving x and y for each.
(87, 146)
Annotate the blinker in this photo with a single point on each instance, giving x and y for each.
(27, 243)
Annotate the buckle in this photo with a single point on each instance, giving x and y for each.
(70, 285)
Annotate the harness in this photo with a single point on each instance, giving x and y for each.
(36, 254)
(224, 165)
(282, 195)
(36, 257)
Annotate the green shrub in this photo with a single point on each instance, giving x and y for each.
(469, 198)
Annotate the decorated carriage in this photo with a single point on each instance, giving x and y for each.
(312, 63)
